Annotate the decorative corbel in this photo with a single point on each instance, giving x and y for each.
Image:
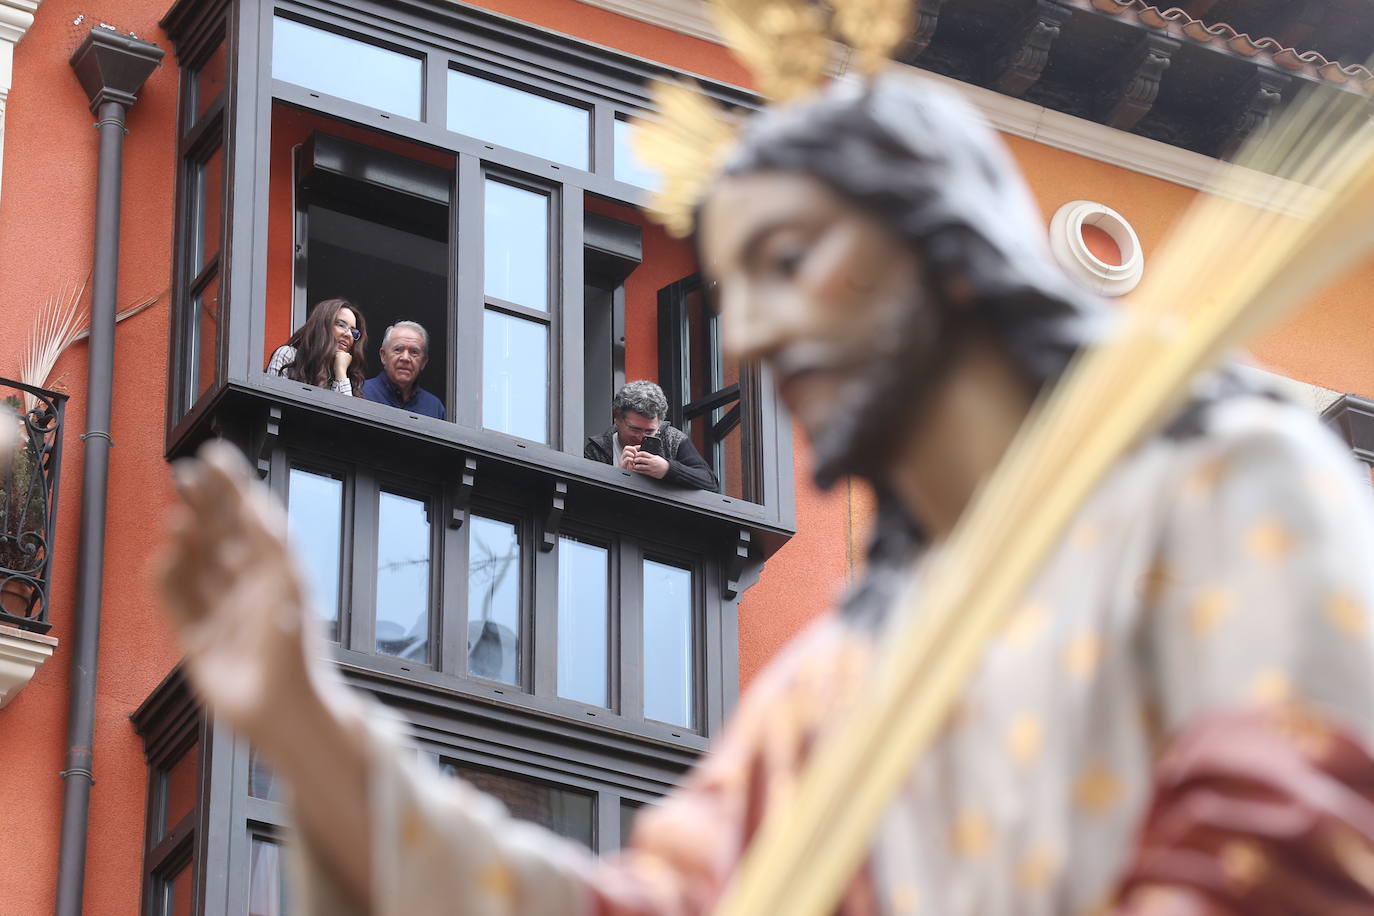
(1024, 60)
(267, 441)
(460, 498)
(927, 18)
(554, 519)
(1255, 102)
(1137, 84)
(733, 569)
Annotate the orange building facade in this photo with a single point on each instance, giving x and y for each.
(260, 174)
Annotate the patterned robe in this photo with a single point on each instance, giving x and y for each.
(1182, 701)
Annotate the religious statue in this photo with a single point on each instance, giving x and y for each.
(1175, 721)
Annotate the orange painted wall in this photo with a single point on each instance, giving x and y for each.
(47, 203)
(1325, 343)
(46, 213)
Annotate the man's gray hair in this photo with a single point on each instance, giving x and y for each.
(642, 397)
(408, 326)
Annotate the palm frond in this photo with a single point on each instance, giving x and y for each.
(62, 321)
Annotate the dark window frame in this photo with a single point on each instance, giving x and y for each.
(610, 541)
(612, 85)
(370, 488)
(519, 518)
(618, 768)
(677, 372)
(341, 471)
(554, 318)
(714, 644)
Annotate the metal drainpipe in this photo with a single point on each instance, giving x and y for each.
(112, 68)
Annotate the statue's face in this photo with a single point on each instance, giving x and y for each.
(828, 297)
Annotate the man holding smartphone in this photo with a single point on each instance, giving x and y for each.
(640, 441)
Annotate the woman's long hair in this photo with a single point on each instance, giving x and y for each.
(316, 342)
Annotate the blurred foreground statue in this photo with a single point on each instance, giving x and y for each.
(1175, 720)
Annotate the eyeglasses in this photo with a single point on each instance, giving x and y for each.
(339, 323)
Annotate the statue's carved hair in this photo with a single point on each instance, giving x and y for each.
(921, 162)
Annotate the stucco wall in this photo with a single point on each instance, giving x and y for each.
(45, 241)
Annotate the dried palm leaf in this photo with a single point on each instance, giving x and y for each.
(60, 322)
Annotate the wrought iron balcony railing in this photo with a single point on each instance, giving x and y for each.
(28, 502)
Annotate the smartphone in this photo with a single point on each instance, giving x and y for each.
(651, 444)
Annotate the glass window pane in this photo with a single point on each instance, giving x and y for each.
(262, 782)
(521, 120)
(180, 787)
(403, 577)
(628, 167)
(584, 600)
(668, 667)
(209, 193)
(178, 892)
(266, 881)
(515, 376)
(628, 811)
(346, 67)
(494, 600)
(516, 261)
(210, 79)
(205, 357)
(567, 812)
(315, 522)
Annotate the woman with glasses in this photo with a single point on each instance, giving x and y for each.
(327, 351)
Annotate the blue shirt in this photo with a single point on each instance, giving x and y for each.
(379, 389)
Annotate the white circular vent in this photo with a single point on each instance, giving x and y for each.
(1096, 246)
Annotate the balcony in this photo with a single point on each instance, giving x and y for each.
(28, 505)
(28, 513)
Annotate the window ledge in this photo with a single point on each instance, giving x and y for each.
(21, 655)
(244, 401)
(640, 752)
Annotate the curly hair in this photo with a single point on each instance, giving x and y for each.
(642, 397)
(922, 163)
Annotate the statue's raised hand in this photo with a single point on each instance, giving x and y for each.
(232, 587)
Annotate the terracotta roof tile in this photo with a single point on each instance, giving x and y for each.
(1179, 24)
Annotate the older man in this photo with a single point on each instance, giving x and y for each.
(637, 411)
(405, 351)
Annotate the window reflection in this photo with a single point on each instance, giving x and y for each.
(494, 600)
(520, 120)
(628, 167)
(209, 192)
(346, 67)
(515, 376)
(209, 80)
(181, 788)
(262, 782)
(315, 522)
(583, 621)
(178, 892)
(668, 668)
(403, 577)
(567, 812)
(205, 359)
(516, 259)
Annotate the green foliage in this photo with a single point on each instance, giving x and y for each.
(23, 503)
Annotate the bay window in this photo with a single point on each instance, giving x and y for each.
(561, 632)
